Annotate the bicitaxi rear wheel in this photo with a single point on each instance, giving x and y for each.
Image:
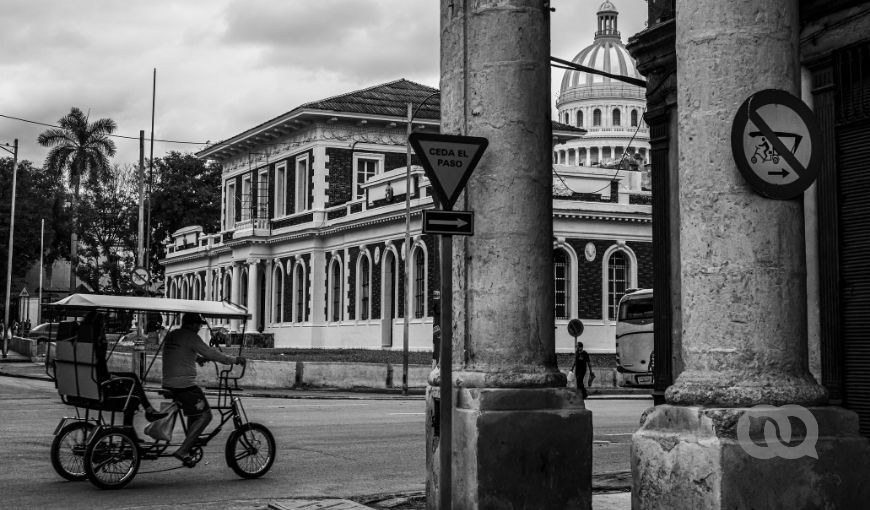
(68, 450)
(111, 459)
(250, 450)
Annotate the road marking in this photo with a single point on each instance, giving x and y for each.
(285, 406)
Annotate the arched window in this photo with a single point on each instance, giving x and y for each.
(364, 287)
(335, 291)
(561, 281)
(634, 118)
(596, 117)
(566, 118)
(617, 117)
(617, 280)
(278, 294)
(299, 285)
(419, 283)
(579, 119)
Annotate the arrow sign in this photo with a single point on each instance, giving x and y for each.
(448, 223)
(448, 161)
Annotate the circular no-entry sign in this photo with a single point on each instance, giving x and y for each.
(575, 327)
(776, 144)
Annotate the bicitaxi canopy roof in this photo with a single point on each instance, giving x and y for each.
(87, 302)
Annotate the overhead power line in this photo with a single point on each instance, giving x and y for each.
(113, 135)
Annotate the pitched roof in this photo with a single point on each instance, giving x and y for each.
(386, 99)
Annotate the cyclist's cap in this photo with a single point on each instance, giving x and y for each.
(192, 318)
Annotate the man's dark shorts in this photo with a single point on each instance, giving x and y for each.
(192, 400)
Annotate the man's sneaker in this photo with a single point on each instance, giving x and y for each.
(187, 460)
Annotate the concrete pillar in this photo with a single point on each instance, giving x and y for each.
(208, 293)
(269, 283)
(254, 293)
(495, 84)
(236, 292)
(743, 288)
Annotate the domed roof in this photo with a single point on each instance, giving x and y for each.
(606, 53)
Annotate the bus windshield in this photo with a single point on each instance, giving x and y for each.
(636, 309)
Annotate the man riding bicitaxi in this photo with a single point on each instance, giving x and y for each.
(180, 351)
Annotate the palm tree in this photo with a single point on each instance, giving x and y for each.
(78, 148)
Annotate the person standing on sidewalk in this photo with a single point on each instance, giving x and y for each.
(181, 349)
(581, 363)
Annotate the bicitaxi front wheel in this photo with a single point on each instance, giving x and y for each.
(68, 450)
(250, 450)
(111, 459)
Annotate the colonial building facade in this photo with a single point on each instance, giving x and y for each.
(313, 229)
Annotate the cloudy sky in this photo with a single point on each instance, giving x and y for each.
(223, 65)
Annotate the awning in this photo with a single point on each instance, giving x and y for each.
(87, 302)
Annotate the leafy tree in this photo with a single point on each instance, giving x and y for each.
(37, 196)
(110, 210)
(79, 148)
(186, 191)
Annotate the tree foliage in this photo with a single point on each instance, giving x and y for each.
(79, 148)
(37, 196)
(109, 209)
(186, 191)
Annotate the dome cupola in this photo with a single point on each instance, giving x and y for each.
(606, 53)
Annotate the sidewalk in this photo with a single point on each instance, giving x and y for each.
(16, 365)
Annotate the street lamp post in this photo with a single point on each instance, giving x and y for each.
(408, 302)
(14, 153)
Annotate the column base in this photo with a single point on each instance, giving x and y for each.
(718, 458)
(514, 448)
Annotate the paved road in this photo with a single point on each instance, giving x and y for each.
(337, 448)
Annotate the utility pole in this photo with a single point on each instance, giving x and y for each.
(407, 286)
(14, 153)
(41, 254)
(150, 184)
(139, 345)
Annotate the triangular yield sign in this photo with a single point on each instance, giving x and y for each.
(448, 161)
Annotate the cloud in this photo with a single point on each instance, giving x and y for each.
(223, 66)
(362, 41)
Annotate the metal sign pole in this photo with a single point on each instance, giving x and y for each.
(446, 360)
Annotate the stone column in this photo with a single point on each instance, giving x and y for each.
(254, 293)
(269, 282)
(494, 84)
(743, 287)
(208, 287)
(236, 292)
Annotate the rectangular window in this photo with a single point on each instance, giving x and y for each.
(231, 205)
(419, 284)
(617, 282)
(263, 194)
(280, 190)
(365, 167)
(336, 292)
(302, 193)
(299, 282)
(560, 275)
(246, 198)
(364, 291)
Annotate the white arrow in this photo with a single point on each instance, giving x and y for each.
(458, 222)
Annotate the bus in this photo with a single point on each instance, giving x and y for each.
(634, 339)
